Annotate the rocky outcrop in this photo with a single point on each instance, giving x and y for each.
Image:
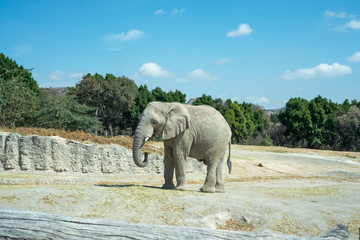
(37, 153)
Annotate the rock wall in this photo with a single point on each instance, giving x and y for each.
(36, 153)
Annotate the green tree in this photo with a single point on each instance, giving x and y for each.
(354, 102)
(10, 70)
(176, 96)
(274, 118)
(349, 129)
(120, 94)
(324, 122)
(204, 100)
(297, 119)
(315, 122)
(18, 103)
(64, 112)
(111, 98)
(90, 91)
(346, 105)
(219, 105)
(159, 95)
(237, 121)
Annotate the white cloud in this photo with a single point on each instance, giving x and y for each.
(322, 70)
(200, 74)
(128, 36)
(353, 24)
(235, 99)
(182, 80)
(258, 100)
(160, 11)
(57, 75)
(75, 75)
(355, 57)
(61, 75)
(334, 14)
(222, 61)
(152, 70)
(117, 42)
(22, 50)
(243, 29)
(35, 74)
(177, 11)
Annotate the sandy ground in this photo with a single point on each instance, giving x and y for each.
(295, 191)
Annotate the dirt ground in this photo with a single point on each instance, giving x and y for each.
(294, 191)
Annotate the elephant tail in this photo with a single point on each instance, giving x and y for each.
(229, 164)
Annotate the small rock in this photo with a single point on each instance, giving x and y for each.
(260, 165)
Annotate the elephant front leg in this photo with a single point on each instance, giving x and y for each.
(180, 168)
(168, 169)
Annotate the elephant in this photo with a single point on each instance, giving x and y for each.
(200, 132)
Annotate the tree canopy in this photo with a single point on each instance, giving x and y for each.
(111, 98)
(109, 105)
(10, 70)
(320, 123)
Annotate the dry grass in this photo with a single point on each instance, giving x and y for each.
(51, 199)
(303, 192)
(64, 199)
(21, 176)
(353, 223)
(236, 225)
(275, 149)
(265, 178)
(10, 187)
(137, 203)
(9, 199)
(289, 226)
(84, 137)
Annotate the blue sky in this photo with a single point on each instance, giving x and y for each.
(264, 52)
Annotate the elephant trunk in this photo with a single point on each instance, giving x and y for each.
(138, 144)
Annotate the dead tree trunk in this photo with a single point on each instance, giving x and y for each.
(16, 224)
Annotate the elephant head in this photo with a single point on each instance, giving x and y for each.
(163, 119)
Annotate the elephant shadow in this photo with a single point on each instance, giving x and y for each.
(136, 185)
(126, 186)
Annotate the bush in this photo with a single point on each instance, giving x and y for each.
(18, 104)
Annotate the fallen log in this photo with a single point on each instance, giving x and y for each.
(15, 224)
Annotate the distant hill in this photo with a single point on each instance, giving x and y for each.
(274, 111)
(57, 90)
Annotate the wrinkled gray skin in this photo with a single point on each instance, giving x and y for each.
(200, 132)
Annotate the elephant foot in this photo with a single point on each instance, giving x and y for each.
(181, 187)
(219, 189)
(168, 186)
(207, 189)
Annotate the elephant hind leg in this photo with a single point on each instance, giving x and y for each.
(210, 181)
(214, 179)
(219, 186)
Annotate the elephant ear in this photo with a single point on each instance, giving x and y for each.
(177, 122)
